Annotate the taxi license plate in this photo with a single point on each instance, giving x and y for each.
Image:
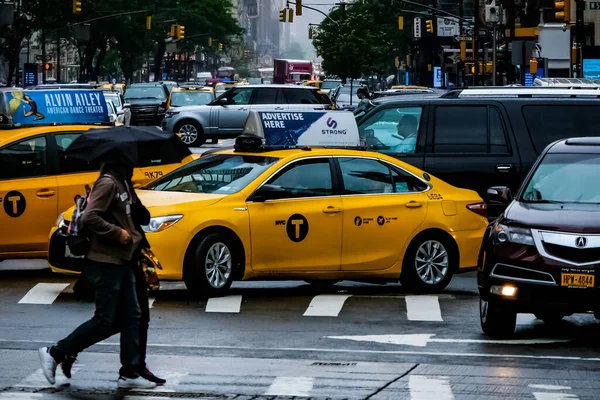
(577, 280)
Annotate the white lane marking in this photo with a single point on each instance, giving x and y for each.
(326, 305)
(146, 397)
(422, 339)
(173, 380)
(429, 388)
(548, 387)
(227, 304)
(526, 319)
(337, 351)
(35, 380)
(554, 396)
(43, 293)
(151, 301)
(423, 308)
(291, 386)
(22, 396)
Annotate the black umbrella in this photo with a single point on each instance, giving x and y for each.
(131, 145)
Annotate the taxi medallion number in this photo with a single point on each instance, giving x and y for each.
(577, 280)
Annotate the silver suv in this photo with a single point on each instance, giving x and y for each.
(226, 116)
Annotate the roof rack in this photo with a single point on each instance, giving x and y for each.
(572, 83)
(520, 92)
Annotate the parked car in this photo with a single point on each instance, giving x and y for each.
(477, 138)
(226, 116)
(118, 102)
(148, 102)
(542, 255)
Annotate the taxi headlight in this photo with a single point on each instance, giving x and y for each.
(513, 234)
(158, 224)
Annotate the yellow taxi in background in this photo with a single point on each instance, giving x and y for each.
(285, 204)
(37, 181)
(190, 96)
(116, 87)
(222, 87)
(316, 84)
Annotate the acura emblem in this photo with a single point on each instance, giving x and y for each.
(581, 242)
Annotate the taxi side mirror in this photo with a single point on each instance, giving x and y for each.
(267, 192)
(501, 195)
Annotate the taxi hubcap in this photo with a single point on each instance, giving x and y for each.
(431, 262)
(218, 265)
(188, 133)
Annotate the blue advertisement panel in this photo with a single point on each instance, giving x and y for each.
(56, 106)
(591, 69)
(309, 128)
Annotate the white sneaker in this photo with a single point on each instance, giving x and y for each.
(48, 365)
(135, 383)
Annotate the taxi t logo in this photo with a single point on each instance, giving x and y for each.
(297, 228)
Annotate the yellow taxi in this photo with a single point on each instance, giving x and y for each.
(316, 84)
(288, 202)
(116, 87)
(189, 95)
(222, 87)
(37, 181)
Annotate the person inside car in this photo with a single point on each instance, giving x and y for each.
(408, 128)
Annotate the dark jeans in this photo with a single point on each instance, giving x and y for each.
(117, 309)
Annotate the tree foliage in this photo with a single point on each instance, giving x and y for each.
(363, 39)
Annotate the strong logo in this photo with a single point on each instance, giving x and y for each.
(332, 123)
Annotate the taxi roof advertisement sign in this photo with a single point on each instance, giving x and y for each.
(310, 129)
(43, 107)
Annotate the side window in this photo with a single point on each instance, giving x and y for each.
(308, 178)
(240, 96)
(469, 129)
(367, 176)
(70, 165)
(406, 183)
(25, 159)
(269, 96)
(301, 96)
(393, 129)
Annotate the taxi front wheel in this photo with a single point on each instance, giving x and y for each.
(428, 263)
(212, 269)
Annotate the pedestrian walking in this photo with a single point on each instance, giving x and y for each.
(109, 267)
(363, 94)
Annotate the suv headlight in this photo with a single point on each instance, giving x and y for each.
(158, 224)
(170, 114)
(513, 234)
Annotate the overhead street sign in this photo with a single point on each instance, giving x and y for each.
(417, 28)
(463, 38)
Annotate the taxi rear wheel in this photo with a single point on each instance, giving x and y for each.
(191, 133)
(495, 321)
(429, 263)
(212, 270)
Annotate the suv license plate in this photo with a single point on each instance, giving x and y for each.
(577, 280)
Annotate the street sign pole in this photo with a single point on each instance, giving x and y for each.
(494, 54)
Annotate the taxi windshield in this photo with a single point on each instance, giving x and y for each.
(179, 99)
(214, 173)
(565, 178)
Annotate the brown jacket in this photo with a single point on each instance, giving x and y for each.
(105, 215)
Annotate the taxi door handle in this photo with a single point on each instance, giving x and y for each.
(332, 210)
(414, 204)
(45, 193)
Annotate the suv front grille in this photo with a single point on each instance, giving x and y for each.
(579, 256)
(521, 274)
(144, 109)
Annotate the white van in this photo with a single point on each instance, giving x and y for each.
(201, 78)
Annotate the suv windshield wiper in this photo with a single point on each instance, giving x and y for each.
(542, 201)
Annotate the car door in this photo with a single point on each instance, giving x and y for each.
(383, 206)
(296, 219)
(398, 131)
(469, 147)
(232, 116)
(28, 196)
(268, 99)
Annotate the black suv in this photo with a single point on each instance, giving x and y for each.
(148, 102)
(542, 255)
(477, 138)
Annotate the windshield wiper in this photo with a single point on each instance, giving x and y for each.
(542, 201)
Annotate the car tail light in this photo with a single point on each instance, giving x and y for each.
(478, 208)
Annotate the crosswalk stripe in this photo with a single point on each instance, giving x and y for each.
(429, 388)
(22, 396)
(526, 319)
(227, 304)
(554, 396)
(43, 293)
(423, 308)
(326, 305)
(291, 386)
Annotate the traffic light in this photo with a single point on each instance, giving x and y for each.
(48, 67)
(429, 26)
(400, 23)
(290, 15)
(209, 42)
(220, 46)
(148, 22)
(76, 6)
(180, 32)
(563, 10)
(283, 15)
(298, 7)
(173, 30)
(310, 33)
(463, 51)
